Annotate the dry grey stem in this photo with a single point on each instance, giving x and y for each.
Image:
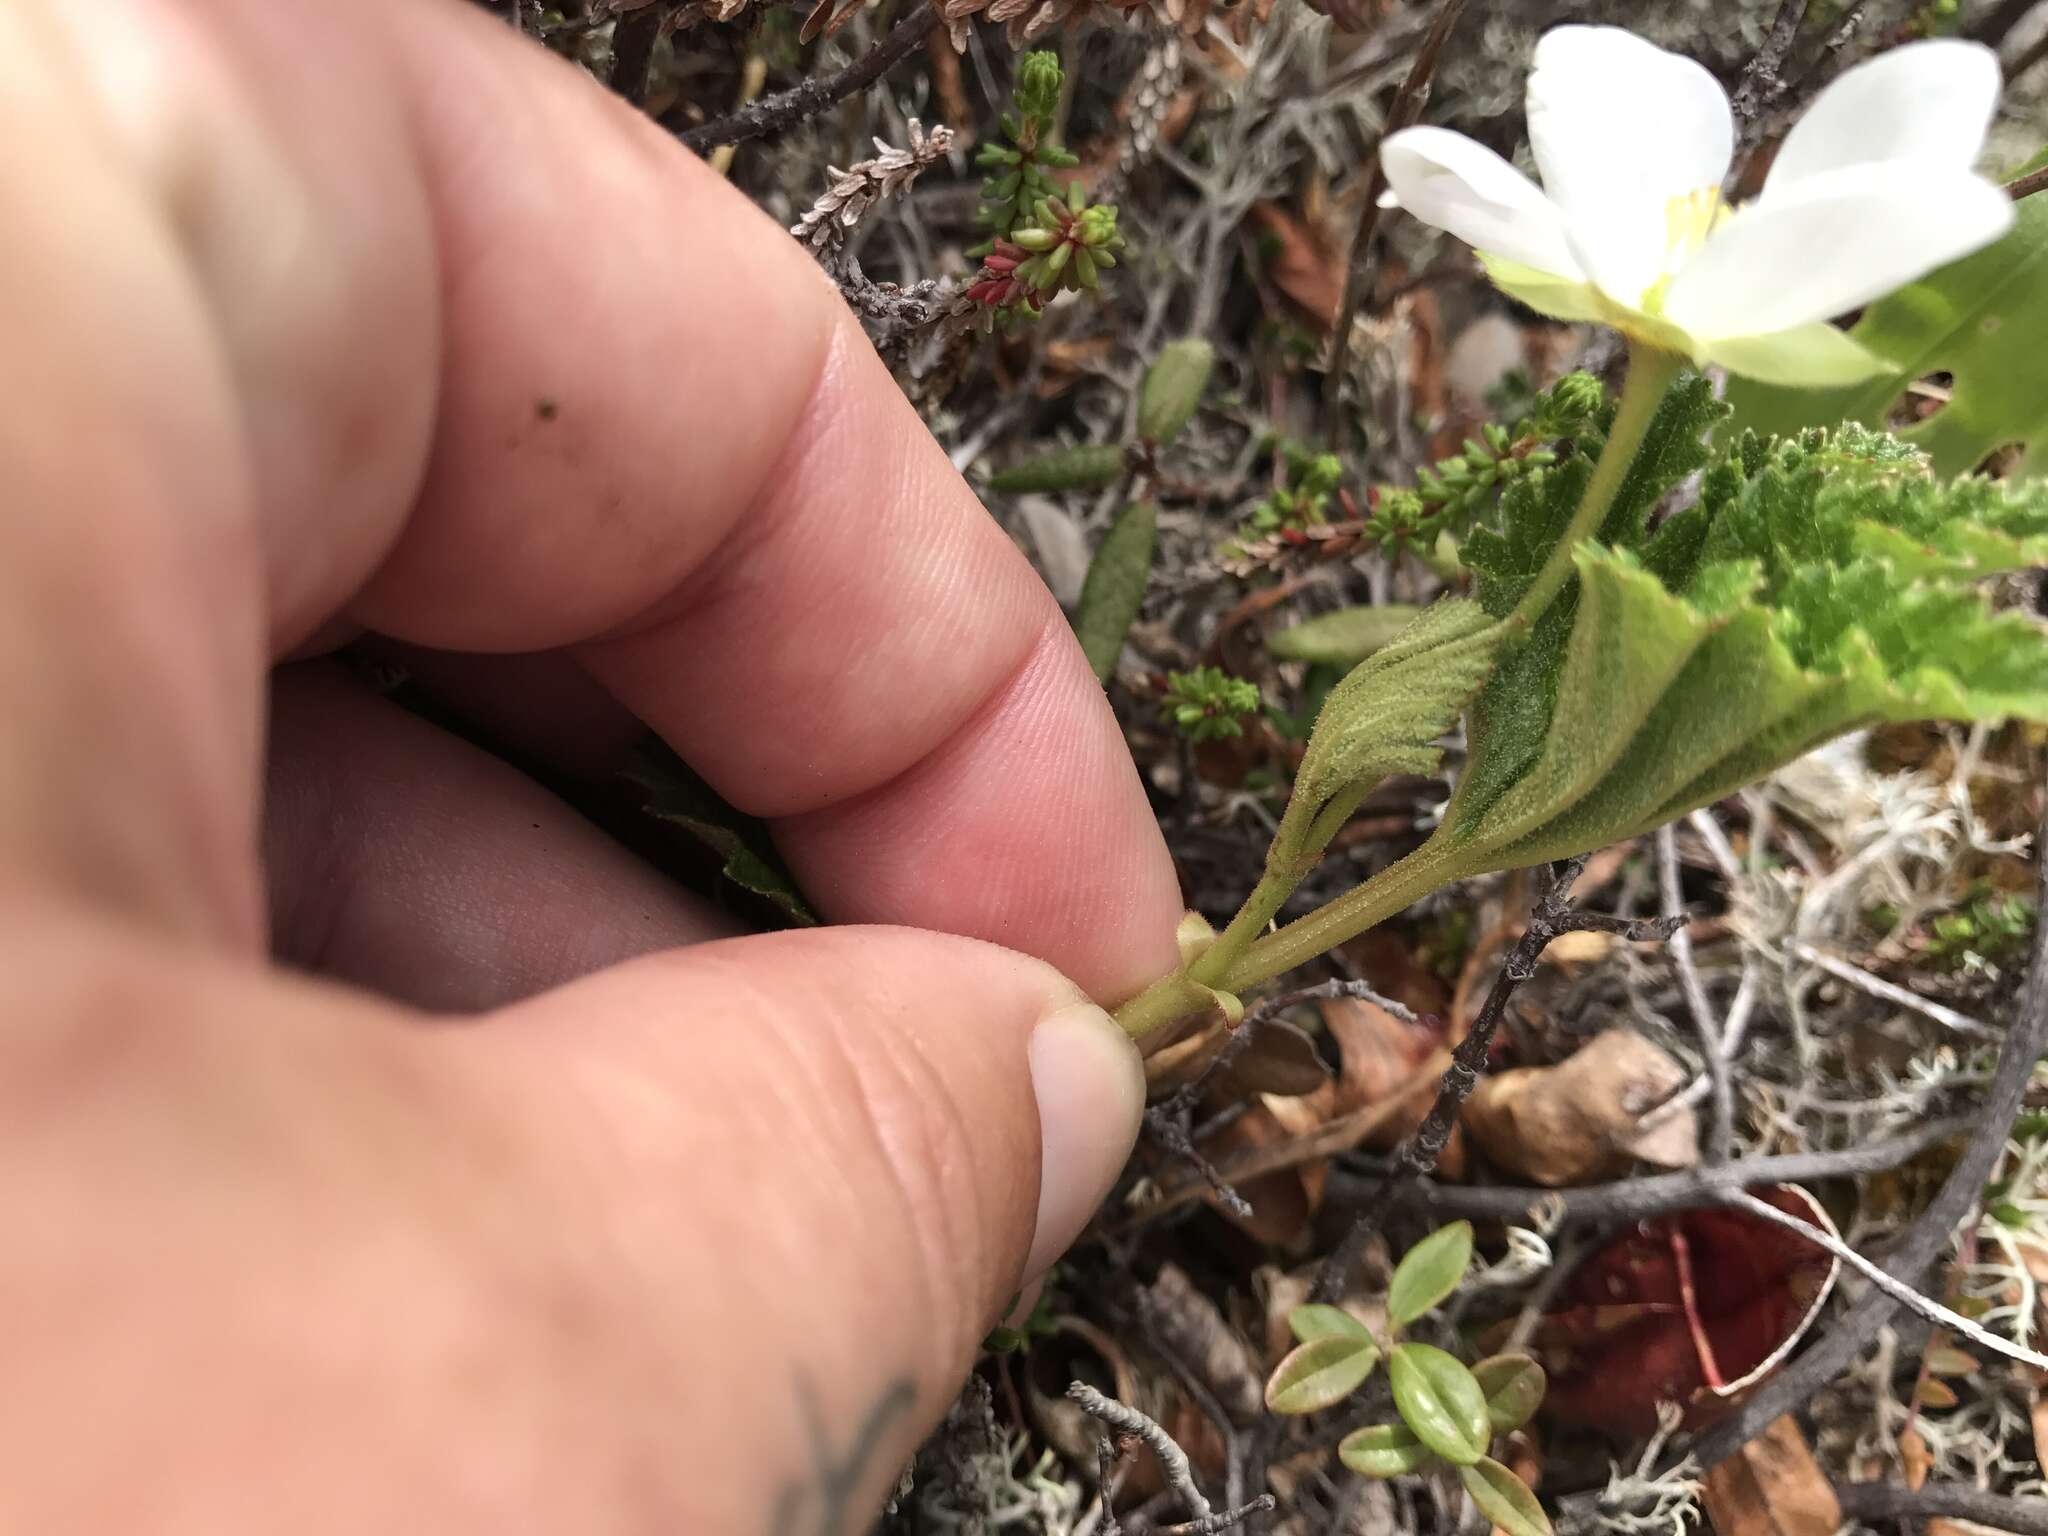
(1128, 1421)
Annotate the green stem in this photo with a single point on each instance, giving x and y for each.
(1393, 888)
(1240, 958)
(1169, 998)
(1266, 899)
(1650, 374)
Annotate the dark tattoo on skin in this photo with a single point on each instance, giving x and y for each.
(825, 1502)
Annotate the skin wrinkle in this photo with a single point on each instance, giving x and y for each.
(973, 864)
(791, 552)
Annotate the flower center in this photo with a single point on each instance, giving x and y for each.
(1688, 219)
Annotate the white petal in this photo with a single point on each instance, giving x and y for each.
(1816, 356)
(1619, 128)
(1832, 242)
(1930, 101)
(1460, 185)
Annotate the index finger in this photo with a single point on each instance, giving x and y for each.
(515, 372)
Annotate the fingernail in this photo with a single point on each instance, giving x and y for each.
(1090, 1085)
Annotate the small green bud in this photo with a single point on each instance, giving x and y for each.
(1039, 81)
(1207, 703)
(1096, 225)
(1575, 395)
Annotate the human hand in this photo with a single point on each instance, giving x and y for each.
(323, 318)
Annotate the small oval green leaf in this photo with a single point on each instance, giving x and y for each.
(1345, 637)
(1513, 1385)
(1320, 1373)
(1115, 587)
(1089, 466)
(1429, 1272)
(1504, 1499)
(1385, 1450)
(1440, 1402)
(1173, 388)
(1313, 1320)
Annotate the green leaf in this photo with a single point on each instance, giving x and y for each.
(1504, 1499)
(1087, 466)
(1815, 587)
(1115, 587)
(1345, 637)
(1388, 713)
(672, 794)
(1320, 1373)
(1514, 1386)
(1429, 1272)
(1440, 1402)
(1314, 1320)
(1173, 388)
(1983, 320)
(1384, 1450)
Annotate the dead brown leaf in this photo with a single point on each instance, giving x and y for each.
(1253, 1154)
(1578, 1121)
(1773, 1486)
(1303, 260)
(1245, 1156)
(1189, 1324)
(1377, 1058)
(1280, 1059)
(1915, 1457)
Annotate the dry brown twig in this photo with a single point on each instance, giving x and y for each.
(785, 109)
(847, 198)
(1761, 84)
(1171, 1120)
(1869, 1503)
(1638, 1198)
(1409, 101)
(853, 191)
(1552, 918)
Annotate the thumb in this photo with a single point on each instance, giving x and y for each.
(813, 1168)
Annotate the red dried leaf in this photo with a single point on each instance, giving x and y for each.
(1692, 1308)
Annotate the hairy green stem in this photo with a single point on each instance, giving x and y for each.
(1393, 888)
(1169, 998)
(1259, 909)
(1651, 371)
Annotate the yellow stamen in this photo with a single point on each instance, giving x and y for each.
(1688, 219)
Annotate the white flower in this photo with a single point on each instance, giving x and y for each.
(1872, 188)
